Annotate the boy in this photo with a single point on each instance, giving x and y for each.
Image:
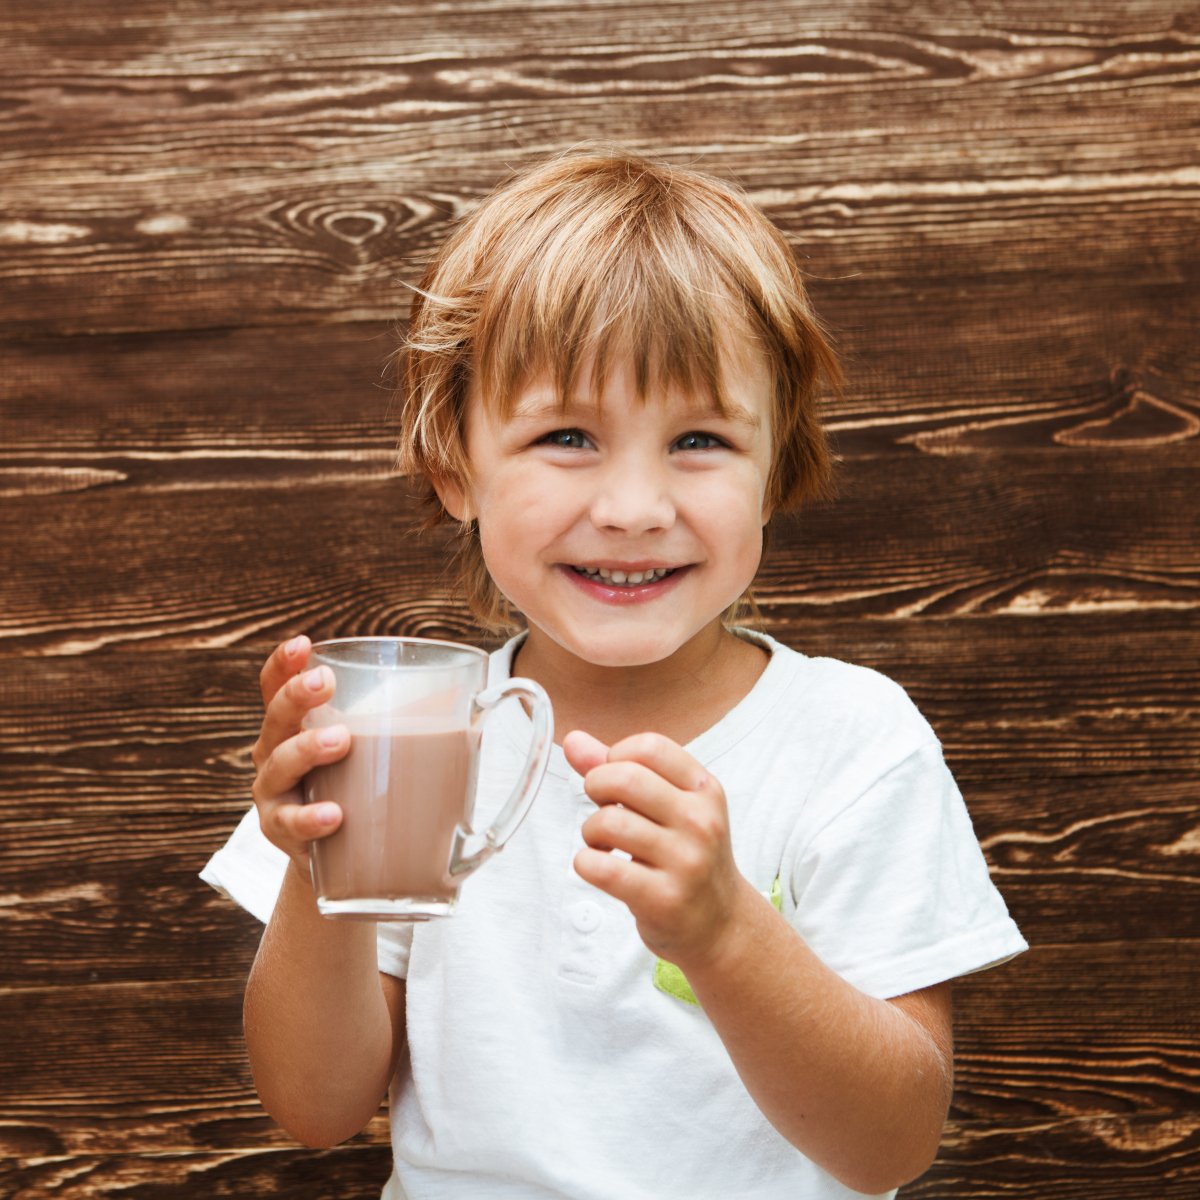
(716, 959)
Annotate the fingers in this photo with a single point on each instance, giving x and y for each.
(278, 795)
(286, 659)
(286, 752)
(630, 882)
(280, 775)
(657, 805)
(291, 703)
(666, 817)
(617, 827)
(292, 826)
(583, 751)
(664, 757)
(655, 777)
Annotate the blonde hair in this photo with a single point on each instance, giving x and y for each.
(607, 257)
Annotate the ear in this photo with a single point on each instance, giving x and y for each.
(454, 497)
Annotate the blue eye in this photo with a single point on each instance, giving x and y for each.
(698, 441)
(567, 439)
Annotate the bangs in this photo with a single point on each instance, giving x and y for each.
(589, 291)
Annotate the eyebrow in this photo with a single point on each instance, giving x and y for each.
(542, 407)
(739, 416)
(528, 410)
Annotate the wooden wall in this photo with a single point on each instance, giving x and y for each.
(205, 213)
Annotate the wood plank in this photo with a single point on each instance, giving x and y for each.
(155, 553)
(189, 84)
(215, 270)
(1105, 699)
(252, 191)
(1065, 1034)
(469, 115)
(1047, 534)
(1098, 1159)
(123, 772)
(87, 588)
(1110, 861)
(1101, 1158)
(1028, 364)
(1057, 1033)
(316, 392)
(350, 1172)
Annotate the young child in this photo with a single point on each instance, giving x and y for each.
(716, 958)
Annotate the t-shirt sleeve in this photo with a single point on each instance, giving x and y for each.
(249, 870)
(893, 891)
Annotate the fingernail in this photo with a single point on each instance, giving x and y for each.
(326, 814)
(331, 736)
(294, 646)
(315, 679)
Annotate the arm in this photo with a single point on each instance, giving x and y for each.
(324, 1028)
(859, 1085)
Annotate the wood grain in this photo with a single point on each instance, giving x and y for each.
(147, 553)
(256, 190)
(1085, 366)
(116, 793)
(208, 215)
(1100, 1159)
(161, 1065)
(348, 1172)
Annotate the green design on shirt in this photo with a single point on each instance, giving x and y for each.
(670, 979)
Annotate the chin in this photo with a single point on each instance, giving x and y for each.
(621, 651)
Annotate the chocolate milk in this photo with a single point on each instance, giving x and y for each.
(403, 788)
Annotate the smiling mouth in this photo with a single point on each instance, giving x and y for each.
(624, 578)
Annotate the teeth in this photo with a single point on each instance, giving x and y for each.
(625, 578)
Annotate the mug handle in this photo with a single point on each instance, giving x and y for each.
(470, 850)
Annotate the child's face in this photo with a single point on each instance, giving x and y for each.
(571, 502)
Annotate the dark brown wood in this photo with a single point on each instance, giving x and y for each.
(1092, 365)
(165, 1060)
(291, 190)
(1100, 1159)
(142, 766)
(207, 217)
(161, 553)
(349, 1172)
(160, 1067)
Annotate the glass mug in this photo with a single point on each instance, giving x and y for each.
(415, 710)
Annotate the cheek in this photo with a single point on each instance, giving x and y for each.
(741, 519)
(750, 551)
(737, 507)
(515, 517)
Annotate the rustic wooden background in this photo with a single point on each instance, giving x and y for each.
(205, 212)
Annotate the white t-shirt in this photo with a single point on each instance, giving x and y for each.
(545, 1062)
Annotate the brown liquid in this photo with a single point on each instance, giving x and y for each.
(402, 793)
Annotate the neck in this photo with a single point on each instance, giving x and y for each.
(680, 696)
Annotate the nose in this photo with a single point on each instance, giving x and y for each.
(632, 499)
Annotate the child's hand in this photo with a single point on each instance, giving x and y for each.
(284, 753)
(660, 806)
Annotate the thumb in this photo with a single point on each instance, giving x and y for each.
(583, 751)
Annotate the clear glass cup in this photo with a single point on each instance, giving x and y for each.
(415, 710)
